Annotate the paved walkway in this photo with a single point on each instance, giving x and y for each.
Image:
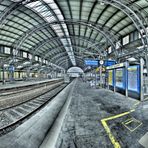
(83, 127)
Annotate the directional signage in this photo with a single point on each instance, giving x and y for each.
(91, 62)
(116, 66)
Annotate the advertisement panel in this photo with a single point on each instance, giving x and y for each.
(120, 78)
(110, 77)
(134, 78)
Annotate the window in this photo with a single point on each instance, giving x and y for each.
(47, 62)
(30, 56)
(36, 58)
(24, 54)
(118, 45)
(7, 50)
(44, 61)
(126, 40)
(15, 52)
(40, 59)
(142, 32)
(110, 49)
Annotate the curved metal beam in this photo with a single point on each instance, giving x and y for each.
(46, 53)
(57, 56)
(134, 15)
(44, 42)
(110, 37)
(63, 62)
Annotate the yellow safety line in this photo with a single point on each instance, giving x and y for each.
(115, 143)
(119, 115)
(111, 137)
(138, 102)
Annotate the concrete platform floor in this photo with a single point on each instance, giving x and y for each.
(83, 127)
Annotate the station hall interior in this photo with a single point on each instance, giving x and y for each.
(73, 73)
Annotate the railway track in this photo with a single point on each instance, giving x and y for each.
(12, 117)
(13, 98)
(16, 90)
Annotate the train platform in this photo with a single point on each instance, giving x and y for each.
(84, 117)
(17, 84)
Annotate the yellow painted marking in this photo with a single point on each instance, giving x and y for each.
(146, 99)
(125, 123)
(129, 122)
(119, 115)
(137, 103)
(115, 143)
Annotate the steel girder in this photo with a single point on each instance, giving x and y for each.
(44, 42)
(45, 54)
(54, 58)
(11, 9)
(134, 15)
(63, 62)
(53, 49)
(58, 56)
(8, 12)
(110, 37)
(61, 26)
(67, 61)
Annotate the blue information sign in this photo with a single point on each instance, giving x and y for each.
(109, 62)
(91, 62)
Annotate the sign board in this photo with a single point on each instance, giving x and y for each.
(91, 62)
(134, 78)
(116, 66)
(120, 78)
(110, 77)
(109, 62)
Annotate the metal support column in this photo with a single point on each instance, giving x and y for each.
(114, 75)
(95, 79)
(141, 80)
(126, 79)
(146, 59)
(3, 68)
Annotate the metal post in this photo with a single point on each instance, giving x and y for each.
(114, 75)
(3, 74)
(146, 59)
(95, 79)
(107, 79)
(141, 79)
(101, 79)
(126, 79)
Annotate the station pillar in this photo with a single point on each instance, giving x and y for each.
(141, 80)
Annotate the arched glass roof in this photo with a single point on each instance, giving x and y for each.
(64, 32)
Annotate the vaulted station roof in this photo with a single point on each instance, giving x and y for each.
(65, 32)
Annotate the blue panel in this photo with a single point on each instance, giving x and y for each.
(11, 68)
(91, 62)
(134, 78)
(109, 63)
(120, 78)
